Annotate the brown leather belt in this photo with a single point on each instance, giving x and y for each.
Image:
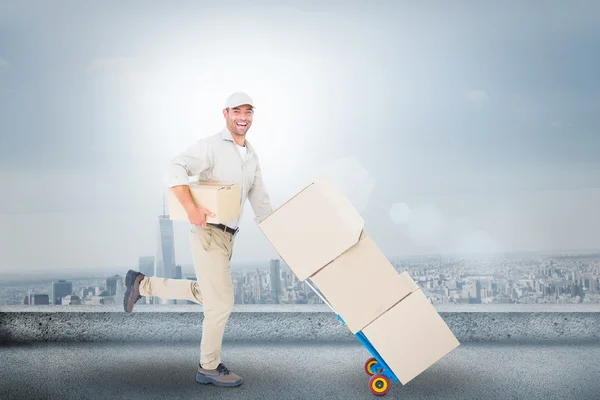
(225, 228)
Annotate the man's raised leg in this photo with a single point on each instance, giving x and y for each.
(139, 286)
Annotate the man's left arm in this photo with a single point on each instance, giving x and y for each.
(259, 197)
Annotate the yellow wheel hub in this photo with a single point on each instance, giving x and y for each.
(380, 385)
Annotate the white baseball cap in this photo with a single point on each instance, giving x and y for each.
(237, 99)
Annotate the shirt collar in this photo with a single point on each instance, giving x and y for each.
(226, 135)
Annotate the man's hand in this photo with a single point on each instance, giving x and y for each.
(197, 215)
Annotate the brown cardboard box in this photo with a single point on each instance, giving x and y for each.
(361, 284)
(411, 336)
(313, 228)
(223, 199)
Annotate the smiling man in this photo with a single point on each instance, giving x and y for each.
(228, 157)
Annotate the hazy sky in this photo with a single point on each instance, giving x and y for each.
(476, 124)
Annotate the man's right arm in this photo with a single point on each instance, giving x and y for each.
(192, 161)
(184, 195)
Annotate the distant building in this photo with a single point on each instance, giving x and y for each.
(39, 299)
(257, 288)
(101, 299)
(87, 292)
(111, 284)
(239, 292)
(165, 259)
(275, 281)
(288, 277)
(61, 289)
(71, 300)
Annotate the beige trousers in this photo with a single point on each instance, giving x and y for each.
(211, 255)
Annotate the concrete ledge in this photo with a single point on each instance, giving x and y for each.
(265, 323)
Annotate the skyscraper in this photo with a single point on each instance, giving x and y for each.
(165, 259)
(275, 281)
(61, 289)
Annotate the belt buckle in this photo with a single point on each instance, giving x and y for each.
(228, 230)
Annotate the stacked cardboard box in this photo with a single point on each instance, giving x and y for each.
(321, 237)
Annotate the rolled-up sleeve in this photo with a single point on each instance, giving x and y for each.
(192, 161)
(259, 197)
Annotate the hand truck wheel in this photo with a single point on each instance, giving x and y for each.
(379, 384)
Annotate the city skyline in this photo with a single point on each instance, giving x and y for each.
(536, 280)
(80, 273)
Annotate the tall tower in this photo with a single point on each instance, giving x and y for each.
(165, 258)
(275, 281)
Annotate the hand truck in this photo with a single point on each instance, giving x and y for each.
(380, 373)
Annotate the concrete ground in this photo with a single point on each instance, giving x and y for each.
(288, 371)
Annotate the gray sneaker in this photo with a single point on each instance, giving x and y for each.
(221, 376)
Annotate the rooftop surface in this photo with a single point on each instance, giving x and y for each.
(292, 371)
(293, 323)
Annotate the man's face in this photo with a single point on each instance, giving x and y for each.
(239, 119)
